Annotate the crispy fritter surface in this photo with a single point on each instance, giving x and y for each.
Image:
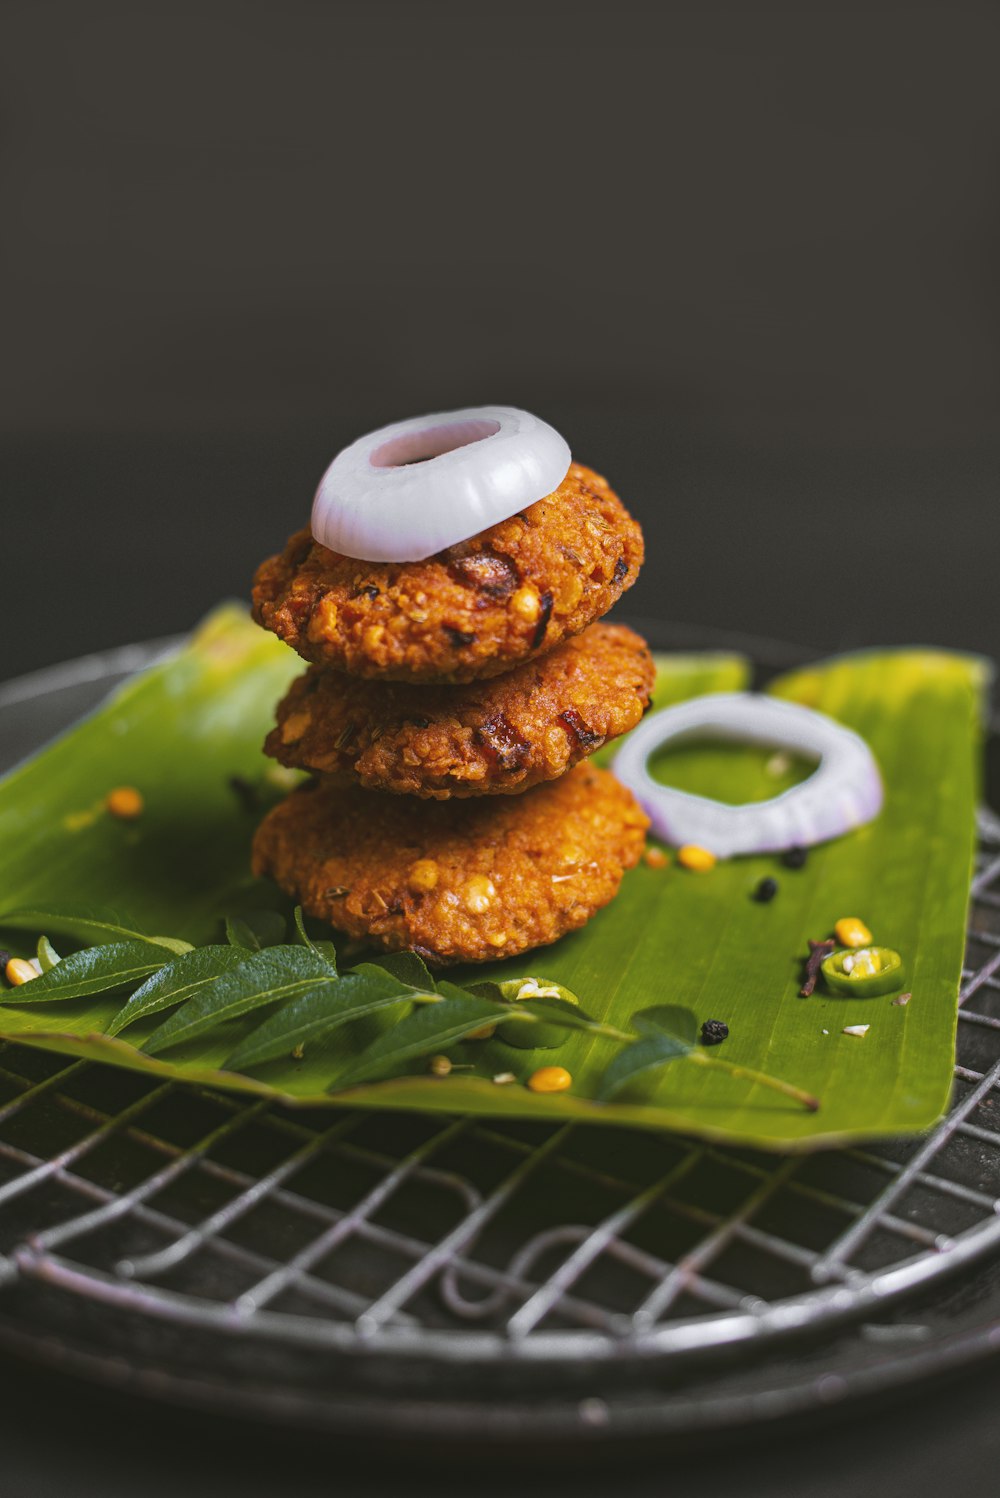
(470, 612)
(495, 737)
(458, 881)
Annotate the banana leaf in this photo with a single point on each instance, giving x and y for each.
(188, 735)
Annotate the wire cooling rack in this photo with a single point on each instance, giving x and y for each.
(179, 1227)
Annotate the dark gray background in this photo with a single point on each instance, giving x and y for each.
(744, 256)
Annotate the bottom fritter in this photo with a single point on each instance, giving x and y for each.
(456, 881)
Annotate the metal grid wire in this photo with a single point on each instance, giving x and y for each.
(460, 1239)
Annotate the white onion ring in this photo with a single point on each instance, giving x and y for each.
(843, 792)
(414, 488)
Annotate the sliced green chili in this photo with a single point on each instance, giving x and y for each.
(863, 972)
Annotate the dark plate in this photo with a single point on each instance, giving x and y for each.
(925, 1300)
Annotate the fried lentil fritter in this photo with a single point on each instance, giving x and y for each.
(457, 881)
(480, 739)
(472, 611)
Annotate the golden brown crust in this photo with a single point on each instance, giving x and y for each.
(497, 737)
(472, 611)
(457, 881)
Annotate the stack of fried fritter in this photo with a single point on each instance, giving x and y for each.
(445, 718)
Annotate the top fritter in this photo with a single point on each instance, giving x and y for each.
(471, 611)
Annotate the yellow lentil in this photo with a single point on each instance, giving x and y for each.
(525, 603)
(323, 620)
(19, 970)
(373, 636)
(125, 802)
(850, 932)
(550, 1079)
(700, 860)
(423, 876)
(570, 594)
(478, 893)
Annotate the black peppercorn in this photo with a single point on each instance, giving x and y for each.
(794, 858)
(766, 890)
(714, 1032)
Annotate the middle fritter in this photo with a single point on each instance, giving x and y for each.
(486, 738)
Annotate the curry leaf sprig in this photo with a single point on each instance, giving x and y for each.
(308, 1000)
(666, 1033)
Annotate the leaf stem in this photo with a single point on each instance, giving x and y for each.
(747, 1073)
(610, 1032)
(595, 1027)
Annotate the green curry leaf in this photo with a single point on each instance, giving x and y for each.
(179, 981)
(431, 1028)
(95, 970)
(316, 1014)
(408, 967)
(322, 946)
(265, 977)
(86, 925)
(647, 1054)
(256, 930)
(46, 954)
(671, 1020)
